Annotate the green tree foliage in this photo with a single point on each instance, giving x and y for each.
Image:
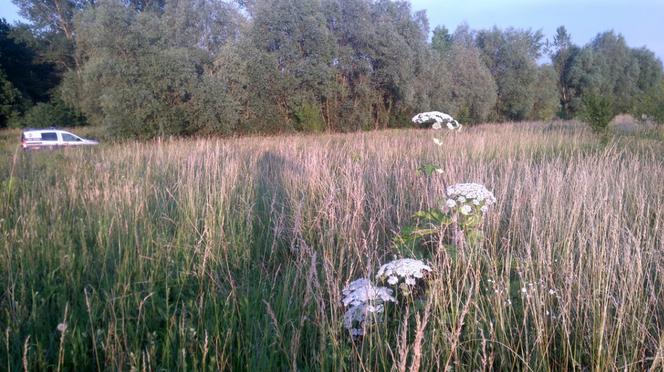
(650, 104)
(380, 53)
(597, 110)
(292, 38)
(147, 68)
(619, 71)
(627, 77)
(24, 79)
(143, 74)
(51, 15)
(11, 100)
(442, 40)
(457, 80)
(49, 114)
(546, 95)
(511, 56)
(54, 19)
(562, 56)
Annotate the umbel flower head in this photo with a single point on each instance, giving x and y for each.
(469, 197)
(406, 271)
(363, 301)
(437, 119)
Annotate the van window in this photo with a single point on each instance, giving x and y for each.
(69, 138)
(49, 136)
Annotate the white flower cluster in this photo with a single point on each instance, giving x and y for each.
(407, 269)
(363, 301)
(438, 118)
(468, 196)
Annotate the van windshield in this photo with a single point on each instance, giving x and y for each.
(70, 138)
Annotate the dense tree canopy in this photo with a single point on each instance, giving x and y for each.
(146, 68)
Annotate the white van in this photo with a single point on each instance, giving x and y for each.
(50, 138)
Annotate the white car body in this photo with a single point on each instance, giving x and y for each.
(50, 138)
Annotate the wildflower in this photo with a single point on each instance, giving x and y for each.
(476, 192)
(363, 301)
(466, 209)
(439, 170)
(62, 327)
(407, 268)
(362, 291)
(438, 118)
(357, 316)
(451, 203)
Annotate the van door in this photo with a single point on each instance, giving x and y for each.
(70, 139)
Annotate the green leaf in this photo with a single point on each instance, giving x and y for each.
(427, 169)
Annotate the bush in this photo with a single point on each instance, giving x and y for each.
(49, 114)
(308, 118)
(597, 111)
(650, 104)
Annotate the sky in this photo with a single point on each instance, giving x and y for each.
(641, 22)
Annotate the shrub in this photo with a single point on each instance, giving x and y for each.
(308, 118)
(650, 105)
(597, 111)
(48, 114)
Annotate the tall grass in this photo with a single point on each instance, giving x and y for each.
(231, 254)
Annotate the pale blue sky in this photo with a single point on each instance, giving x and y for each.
(640, 21)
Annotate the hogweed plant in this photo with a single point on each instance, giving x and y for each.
(467, 203)
(405, 274)
(364, 303)
(462, 210)
(437, 119)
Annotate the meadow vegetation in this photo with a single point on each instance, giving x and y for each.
(154, 68)
(233, 253)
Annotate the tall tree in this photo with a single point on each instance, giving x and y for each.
(619, 71)
(24, 79)
(139, 80)
(293, 37)
(546, 94)
(511, 56)
(458, 82)
(562, 56)
(441, 40)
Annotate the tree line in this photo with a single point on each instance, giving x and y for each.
(145, 68)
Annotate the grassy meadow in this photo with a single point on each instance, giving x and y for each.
(231, 254)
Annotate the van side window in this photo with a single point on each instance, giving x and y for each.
(49, 136)
(69, 138)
